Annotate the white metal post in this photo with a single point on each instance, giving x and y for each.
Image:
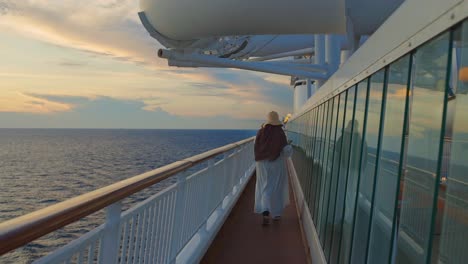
(300, 96)
(345, 54)
(111, 237)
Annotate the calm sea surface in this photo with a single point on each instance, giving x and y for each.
(40, 167)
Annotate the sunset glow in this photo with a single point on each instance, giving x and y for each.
(60, 57)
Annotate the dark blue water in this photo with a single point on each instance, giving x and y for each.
(40, 167)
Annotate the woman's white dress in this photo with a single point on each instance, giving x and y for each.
(271, 190)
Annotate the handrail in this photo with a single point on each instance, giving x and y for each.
(24, 229)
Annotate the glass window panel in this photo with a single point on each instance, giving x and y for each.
(319, 170)
(355, 140)
(334, 174)
(307, 156)
(328, 169)
(296, 128)
(428, 96)
(307, 147)
(315, 160)
(344, 140)
(316, 165)
(366, 183)
(311, 153)
(389, 160)
(300, 145)
(454, 233)
(318, 159)
(299, 154)
(310, 145)
(323, 173)
(304, 147)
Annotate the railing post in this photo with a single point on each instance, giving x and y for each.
(242, 171)
(209, 191)
(208, 195)
(226, 175)
(111, 238)
(178, 225)
(237, 168)
(248, 159)
(225, 171)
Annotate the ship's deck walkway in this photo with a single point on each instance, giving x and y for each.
(243, 239)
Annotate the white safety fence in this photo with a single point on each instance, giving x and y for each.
(161, 228)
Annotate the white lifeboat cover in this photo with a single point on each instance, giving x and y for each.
(195, 19)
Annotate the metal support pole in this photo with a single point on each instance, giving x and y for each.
(302, 52)
(111, 238)
(246, 65)
(296, 64)
(333, 51)
(319, 54)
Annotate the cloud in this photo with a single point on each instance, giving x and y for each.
(104, 28)
(15, 102)
(68, 63)
(105, 112)
(107, 30)
(209, 86)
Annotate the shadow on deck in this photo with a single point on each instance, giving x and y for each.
(243, 239)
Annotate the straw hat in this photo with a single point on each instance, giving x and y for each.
(463, 74)
(273, 119)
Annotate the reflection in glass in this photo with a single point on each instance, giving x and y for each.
(424, 141)
(312, 154)
(303, 163)
(328, 171)
(368, 160)
(389, 164)
(356, 142)
(318, 160)
(307, 144)
(454, 231)
(299, 153)
(315, 159)
(342, 174)
(324, 175)
(334, 175)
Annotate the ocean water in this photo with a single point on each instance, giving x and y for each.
(40, 167)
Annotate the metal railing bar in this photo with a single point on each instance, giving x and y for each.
(89, 237)
(24, 229)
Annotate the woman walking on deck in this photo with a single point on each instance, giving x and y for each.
(271, 150)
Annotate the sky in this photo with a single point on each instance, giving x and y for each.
(91, 64)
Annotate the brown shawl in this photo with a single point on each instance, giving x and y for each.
(269, 142)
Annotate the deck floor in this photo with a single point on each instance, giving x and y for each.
(243, 239)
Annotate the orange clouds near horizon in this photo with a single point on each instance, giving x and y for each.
(16, 102)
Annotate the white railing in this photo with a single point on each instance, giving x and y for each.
(175, 225)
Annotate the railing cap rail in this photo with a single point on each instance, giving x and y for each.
(24, 229)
